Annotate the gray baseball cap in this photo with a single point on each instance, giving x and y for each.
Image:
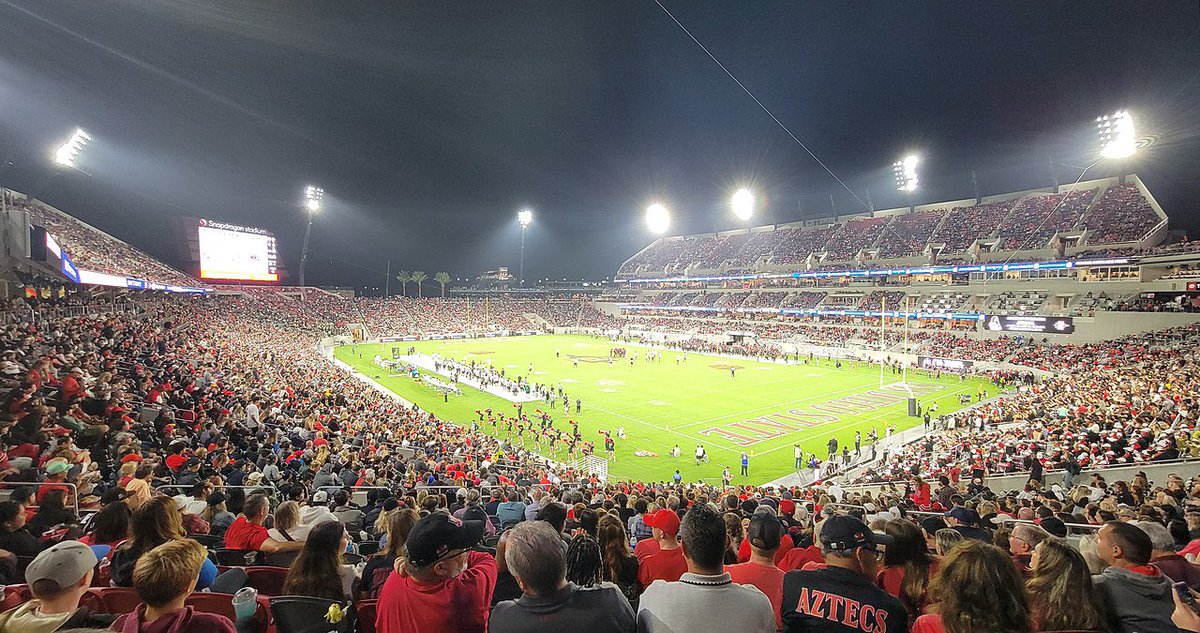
(65, 563)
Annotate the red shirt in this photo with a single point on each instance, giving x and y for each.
(245, 535)
(768, 579)
(785, 546)
(797, 558)
(648, 546)
(928, 623)
(666, 564)
(460, 604)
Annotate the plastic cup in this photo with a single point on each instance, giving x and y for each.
(245, 603)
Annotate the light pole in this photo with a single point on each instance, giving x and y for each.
(906, 177)
(68, 152)
(312, 204)
(524, 217)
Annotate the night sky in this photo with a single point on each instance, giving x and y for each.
(429, 124)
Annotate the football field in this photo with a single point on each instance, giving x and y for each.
(761, 408)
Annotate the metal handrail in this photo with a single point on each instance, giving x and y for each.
(38, 484)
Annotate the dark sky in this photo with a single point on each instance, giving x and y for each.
(429, 124)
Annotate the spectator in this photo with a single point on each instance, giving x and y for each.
(550, 603)
(511, 511)
(14, 536)
(375, 573)
(1060, 589)
(764, 534)
(163, 579)
(1164, 556)
(139, 487)
(620, 565)
(472, 511)
(668, 563)
(907, 566)
(978, 590)
(154, 523)
(584, 562)
(57, 578)
(318, 570)
(247, 532)
(110, 526)
(535, 504)
(52, 512)
(443, 585)
(1136, 596)
(946, 539)
(842, 595)
(962, 520)
(705, 594)
(218, 517)
(1021, 543)
(346, 512)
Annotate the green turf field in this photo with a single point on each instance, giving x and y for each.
(764, 409)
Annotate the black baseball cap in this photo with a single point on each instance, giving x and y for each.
(765, 531)
(843, 532)
(436, 535)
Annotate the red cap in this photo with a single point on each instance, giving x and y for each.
(787, 506)
(665, 520)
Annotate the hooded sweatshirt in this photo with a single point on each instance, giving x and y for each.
(1136, 601)
(571, 609)
(185, 620)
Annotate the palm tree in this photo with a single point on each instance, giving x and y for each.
(419, 276)
(442, 278)
(404, 277)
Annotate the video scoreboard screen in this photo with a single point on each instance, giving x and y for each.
(1029, 324)
(229, 252)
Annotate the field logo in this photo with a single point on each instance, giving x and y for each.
(768, 427)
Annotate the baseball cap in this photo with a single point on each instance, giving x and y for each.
(665, 520)
(65, 563)
(962, 514)
(844, 532)
(57, 467)
(765, 531)
(439, 534)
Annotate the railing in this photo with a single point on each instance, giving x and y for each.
(38, 484)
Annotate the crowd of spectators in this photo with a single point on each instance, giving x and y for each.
(157, 417)
(1122, 214)
(92, 249)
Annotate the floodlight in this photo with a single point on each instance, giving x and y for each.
(1117, 137)
(524, 217)
(69, 152)
(743, 204)
(312, 198)
(658, 219)
(906, 173)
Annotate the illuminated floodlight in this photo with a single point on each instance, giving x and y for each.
(658, 219)
(906, 173)
(312, 198)
(524, 217)
(1117, 137)
(743, 204)
(69, 152)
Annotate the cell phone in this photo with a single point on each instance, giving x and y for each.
(1185, 595)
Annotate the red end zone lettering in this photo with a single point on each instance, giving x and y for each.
(736, 438)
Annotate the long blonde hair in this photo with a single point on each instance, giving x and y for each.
(1060, 589)
(979, 590)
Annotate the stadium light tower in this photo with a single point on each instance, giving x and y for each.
(1117, 136)
(312, 204)
(906, 176)
(658, 219)
(68, 153)
(743, 204)
(524, 218)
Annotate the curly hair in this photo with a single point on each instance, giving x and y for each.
(979, 590)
